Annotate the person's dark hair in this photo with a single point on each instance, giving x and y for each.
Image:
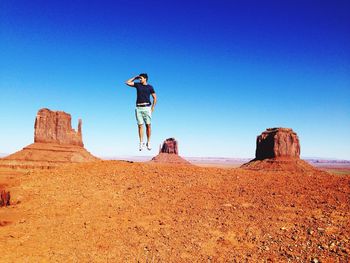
(144, 75)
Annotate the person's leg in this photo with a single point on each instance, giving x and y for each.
(141, 132)
(148, 132)
(139, 120)
(148, 118)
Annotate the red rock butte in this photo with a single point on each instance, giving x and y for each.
(278, 149)
(55, 127)
(55, 143)
(169, 153)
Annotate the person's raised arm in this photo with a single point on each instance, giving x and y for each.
(154, 100)
(130, 82)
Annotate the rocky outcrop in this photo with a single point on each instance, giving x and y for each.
(278, 149)
(55, 143)
(277, 142)
(169, 153)
(169, 146)
(55, 127)
(5, 198)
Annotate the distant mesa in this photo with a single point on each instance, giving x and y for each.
(278, 149)
(277, 143)
(55, 127)
(169, 153)
(169, 146)
(55, 142)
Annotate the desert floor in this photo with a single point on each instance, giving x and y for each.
(114, 211)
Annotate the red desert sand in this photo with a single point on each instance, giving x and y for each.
(112, 211)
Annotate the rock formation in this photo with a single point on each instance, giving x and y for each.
(168, 153)
(278, 149)
(277, 142)
(55, 127)
(55, 143)
(169, 146)
(5, 198)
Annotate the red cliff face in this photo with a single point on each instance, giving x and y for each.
(55, 127)
(169, 146)
(277, 142)
(278, 149)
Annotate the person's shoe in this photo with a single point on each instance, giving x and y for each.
(141, 145)
(149, 147)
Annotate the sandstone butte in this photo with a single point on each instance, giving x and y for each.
(55, 142)
(169, 153)
(278, 149)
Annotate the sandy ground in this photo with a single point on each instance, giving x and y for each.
(113, 211)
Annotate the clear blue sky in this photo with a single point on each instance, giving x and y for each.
(223, 70)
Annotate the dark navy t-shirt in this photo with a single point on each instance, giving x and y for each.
(143, 93)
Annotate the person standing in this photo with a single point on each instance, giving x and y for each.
(144, 107)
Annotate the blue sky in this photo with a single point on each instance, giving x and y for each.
(224, 71)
